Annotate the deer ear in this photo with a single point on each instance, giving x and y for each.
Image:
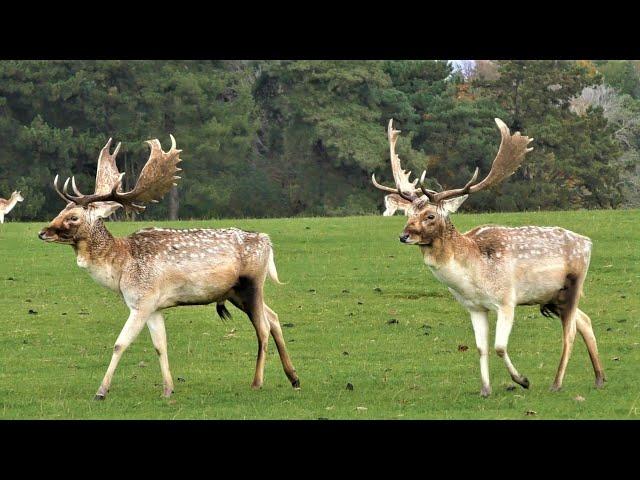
(452, 205)
(104, 209)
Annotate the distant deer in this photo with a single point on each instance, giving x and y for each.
(394, 202)
(493, 268)
(7, 205)
(158, 268)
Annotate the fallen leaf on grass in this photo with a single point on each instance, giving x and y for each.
(462, 348)
(142, 364)
(288, 325)
(530, 413)
(330, 408)
(231, 334)
(361, 409)
(350, 387)
(616, 359)
(32, 312)
(579, 398)
(511, 388)
(392, 321)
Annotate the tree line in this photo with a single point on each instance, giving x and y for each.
(290, 138)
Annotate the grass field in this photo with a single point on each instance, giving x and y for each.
(347, 278)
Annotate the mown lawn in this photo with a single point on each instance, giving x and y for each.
(347, 278)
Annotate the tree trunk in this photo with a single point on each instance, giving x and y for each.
(174, 203)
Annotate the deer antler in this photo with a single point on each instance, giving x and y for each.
(510, 156)
(406, 188)
(155, 180)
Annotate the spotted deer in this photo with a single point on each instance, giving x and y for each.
(494, 268)
(7, 205)
(158, 268)
(394, 202)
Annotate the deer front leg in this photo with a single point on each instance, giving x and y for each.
(503, 330)
(129, 332)
(480, 323)
(155, 322)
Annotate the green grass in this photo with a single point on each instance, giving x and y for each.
(346, 278)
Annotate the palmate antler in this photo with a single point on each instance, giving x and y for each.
(510, 156)
(155, 180)
(406, 188)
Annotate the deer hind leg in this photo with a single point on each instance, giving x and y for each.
(583, 323)
(159, 339)
(503, 330)
(276, 333)
(249, 298)
(480, 322)
(568, 302)
(131, 329)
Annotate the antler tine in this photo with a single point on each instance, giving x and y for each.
(382, 187)
(430, 194)
(57, 189)
(75, 188)
(65, 187)
(404, 187)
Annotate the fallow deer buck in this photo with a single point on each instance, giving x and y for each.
(158, 268)
(7, 205)
(494, 268)
(394, 202)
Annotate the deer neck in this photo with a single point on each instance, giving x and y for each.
(449, 247)
(102, 255)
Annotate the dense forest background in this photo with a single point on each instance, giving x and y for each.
(287, 138)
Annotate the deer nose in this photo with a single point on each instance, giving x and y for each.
(404, 237)
(42, 234)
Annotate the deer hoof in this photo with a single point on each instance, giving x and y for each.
(296, 384)
(522, 381)
(485, 392)
(555, 388)
(167, 392)
(98, 396)
(600, 382)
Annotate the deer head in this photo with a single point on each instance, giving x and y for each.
(429, 209)
(75, 221)
(17, 196)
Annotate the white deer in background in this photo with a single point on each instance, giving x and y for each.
(394, 202)
(158, 268)
(494, 268)
(7, 205)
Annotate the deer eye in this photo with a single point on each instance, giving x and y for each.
(430, 217)
(74, 219)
